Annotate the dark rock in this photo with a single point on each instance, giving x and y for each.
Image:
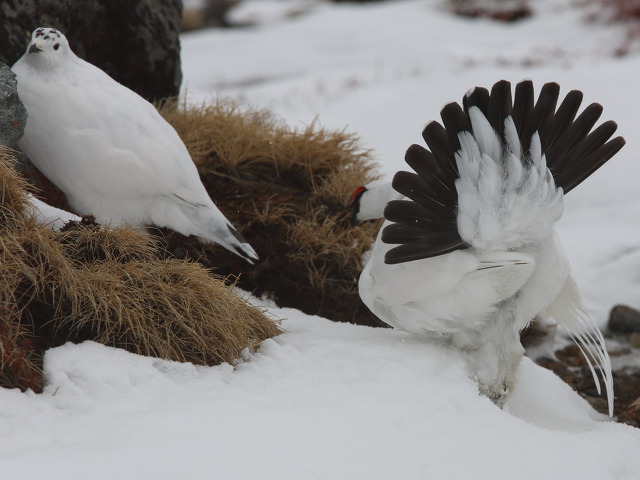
(136, 42)
(502, 11)
(215, 12)
(624, 319)
(13, 115)
(631, 414)
(571, 356)
(538, 338)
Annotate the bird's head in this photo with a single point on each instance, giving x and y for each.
(355, 204)
(47, 46)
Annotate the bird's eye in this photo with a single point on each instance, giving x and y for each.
(56, 46)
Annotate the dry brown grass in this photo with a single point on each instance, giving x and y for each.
(110, 286)
(13, 199)
(289, 192)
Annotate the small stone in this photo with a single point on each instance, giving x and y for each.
(571, 356)
(624, 319)
(634, 340)
(598, 403)
(631, 414)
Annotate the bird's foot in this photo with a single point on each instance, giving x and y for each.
(497, 394)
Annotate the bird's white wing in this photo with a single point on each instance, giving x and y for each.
(153, 141)
(568, 310)
(444, 293)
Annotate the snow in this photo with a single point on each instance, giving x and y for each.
(54, 217)
(323, 400)
(333, 401)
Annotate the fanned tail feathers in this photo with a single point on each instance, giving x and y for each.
(494, 159)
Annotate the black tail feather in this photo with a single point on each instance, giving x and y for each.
(500, 106)
(478, 97)
(542, 113)
(575, 176)
(454, 120)
(523, 106)
(557, 153)
(562, 120)
(591, 143)
(408, 233)
(437, 139)
(414, 187)
(425, 164)
(417, 250)
(410, 213)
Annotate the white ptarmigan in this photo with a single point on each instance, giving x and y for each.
(109, 150)
(470, 252)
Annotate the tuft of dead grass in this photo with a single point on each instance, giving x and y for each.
(13, 199)
(289, 192)
(109, 286)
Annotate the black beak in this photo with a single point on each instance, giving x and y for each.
(34, 49)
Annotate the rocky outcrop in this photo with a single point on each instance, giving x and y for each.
(13, 115)
(135, 42)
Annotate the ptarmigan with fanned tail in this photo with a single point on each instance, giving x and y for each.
(470, 252)
(109, 150)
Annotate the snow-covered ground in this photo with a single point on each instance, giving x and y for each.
(334, 401)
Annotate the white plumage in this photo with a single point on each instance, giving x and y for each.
(109, 150)
(471, 253)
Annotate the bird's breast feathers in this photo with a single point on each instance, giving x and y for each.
(94, 122)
